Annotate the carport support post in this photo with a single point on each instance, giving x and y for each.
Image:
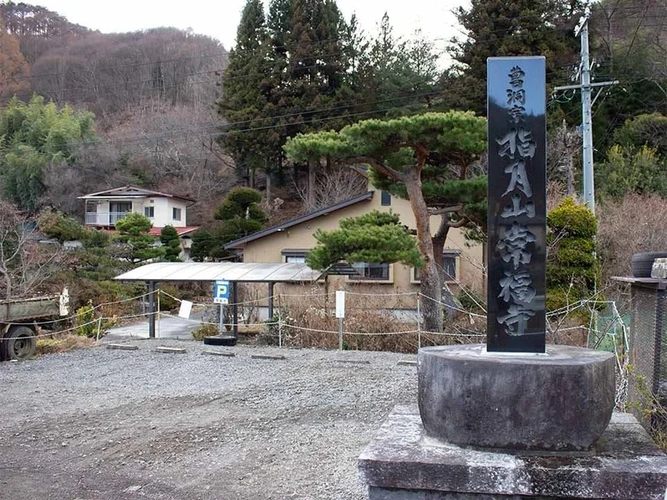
(271, 284)
(235, 310)
(151, 309)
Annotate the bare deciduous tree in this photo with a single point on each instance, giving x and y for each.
(25, 264)
(634, 224)
(331, 186)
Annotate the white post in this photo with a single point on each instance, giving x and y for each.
(159, 311)
(280, 329)
(419, 324)
(340, 314)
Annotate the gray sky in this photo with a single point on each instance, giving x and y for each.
(219, 18)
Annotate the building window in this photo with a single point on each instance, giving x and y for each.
(149, 212)
(118, 210)
(448, 264)
(371, 271)
(176, 213)
(294, 256)
(385, 199)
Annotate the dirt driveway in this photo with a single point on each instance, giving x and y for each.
(109, 424)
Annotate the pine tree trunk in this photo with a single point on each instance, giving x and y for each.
(431, 284)
(431, 297)
(451, 303)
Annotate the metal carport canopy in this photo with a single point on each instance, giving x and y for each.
(244, 272)
(234, 272)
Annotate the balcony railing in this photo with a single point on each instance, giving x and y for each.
(104, 218)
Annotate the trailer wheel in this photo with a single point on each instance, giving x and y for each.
(19, 343)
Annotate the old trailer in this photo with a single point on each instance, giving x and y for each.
(20, 319)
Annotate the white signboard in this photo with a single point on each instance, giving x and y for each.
(340, 303)
(185, 310)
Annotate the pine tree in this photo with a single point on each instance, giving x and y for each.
(133, 229)
(377, 237)
(239, 214)
(171, 243)
(400, 152)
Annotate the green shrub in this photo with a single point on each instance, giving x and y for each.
(572, 268)
(86, 326)
(59, 226)
(205, 330)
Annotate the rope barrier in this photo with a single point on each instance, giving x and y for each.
(100, 320)
(449, 306)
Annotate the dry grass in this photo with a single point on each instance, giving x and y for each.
(310, 323)
(63, 343)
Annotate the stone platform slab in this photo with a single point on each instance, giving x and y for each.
(401, 463)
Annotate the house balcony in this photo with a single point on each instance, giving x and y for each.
(104, 218)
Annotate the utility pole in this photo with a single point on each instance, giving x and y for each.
(587, 120)
(586, 88)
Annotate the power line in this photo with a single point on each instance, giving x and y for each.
(219, 132)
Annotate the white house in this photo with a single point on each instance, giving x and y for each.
(105, 208)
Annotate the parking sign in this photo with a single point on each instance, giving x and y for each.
(221, 292)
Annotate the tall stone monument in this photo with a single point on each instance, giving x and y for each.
(515, 417)
(516, 114)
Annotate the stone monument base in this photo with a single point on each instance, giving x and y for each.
(561, 400)
(402, 463)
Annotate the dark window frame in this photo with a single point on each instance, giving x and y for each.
(368, 271)
(385, 198)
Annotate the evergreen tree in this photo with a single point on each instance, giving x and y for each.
(202, 245)
(572, 269)
(404, 74)
(240, 215)
(289, 73)
(517, 28)
(637, 160)
(134, 230)
(627, 170)
(398, 152)
(377, 237)
(244, 95)
(171, 243)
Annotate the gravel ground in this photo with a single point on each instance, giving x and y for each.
(108, 424)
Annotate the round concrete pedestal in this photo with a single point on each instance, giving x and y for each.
(558, 401)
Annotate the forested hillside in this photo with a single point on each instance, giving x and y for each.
(152, 94)
(175, 111)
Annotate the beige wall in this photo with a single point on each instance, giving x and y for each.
(300, 237)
